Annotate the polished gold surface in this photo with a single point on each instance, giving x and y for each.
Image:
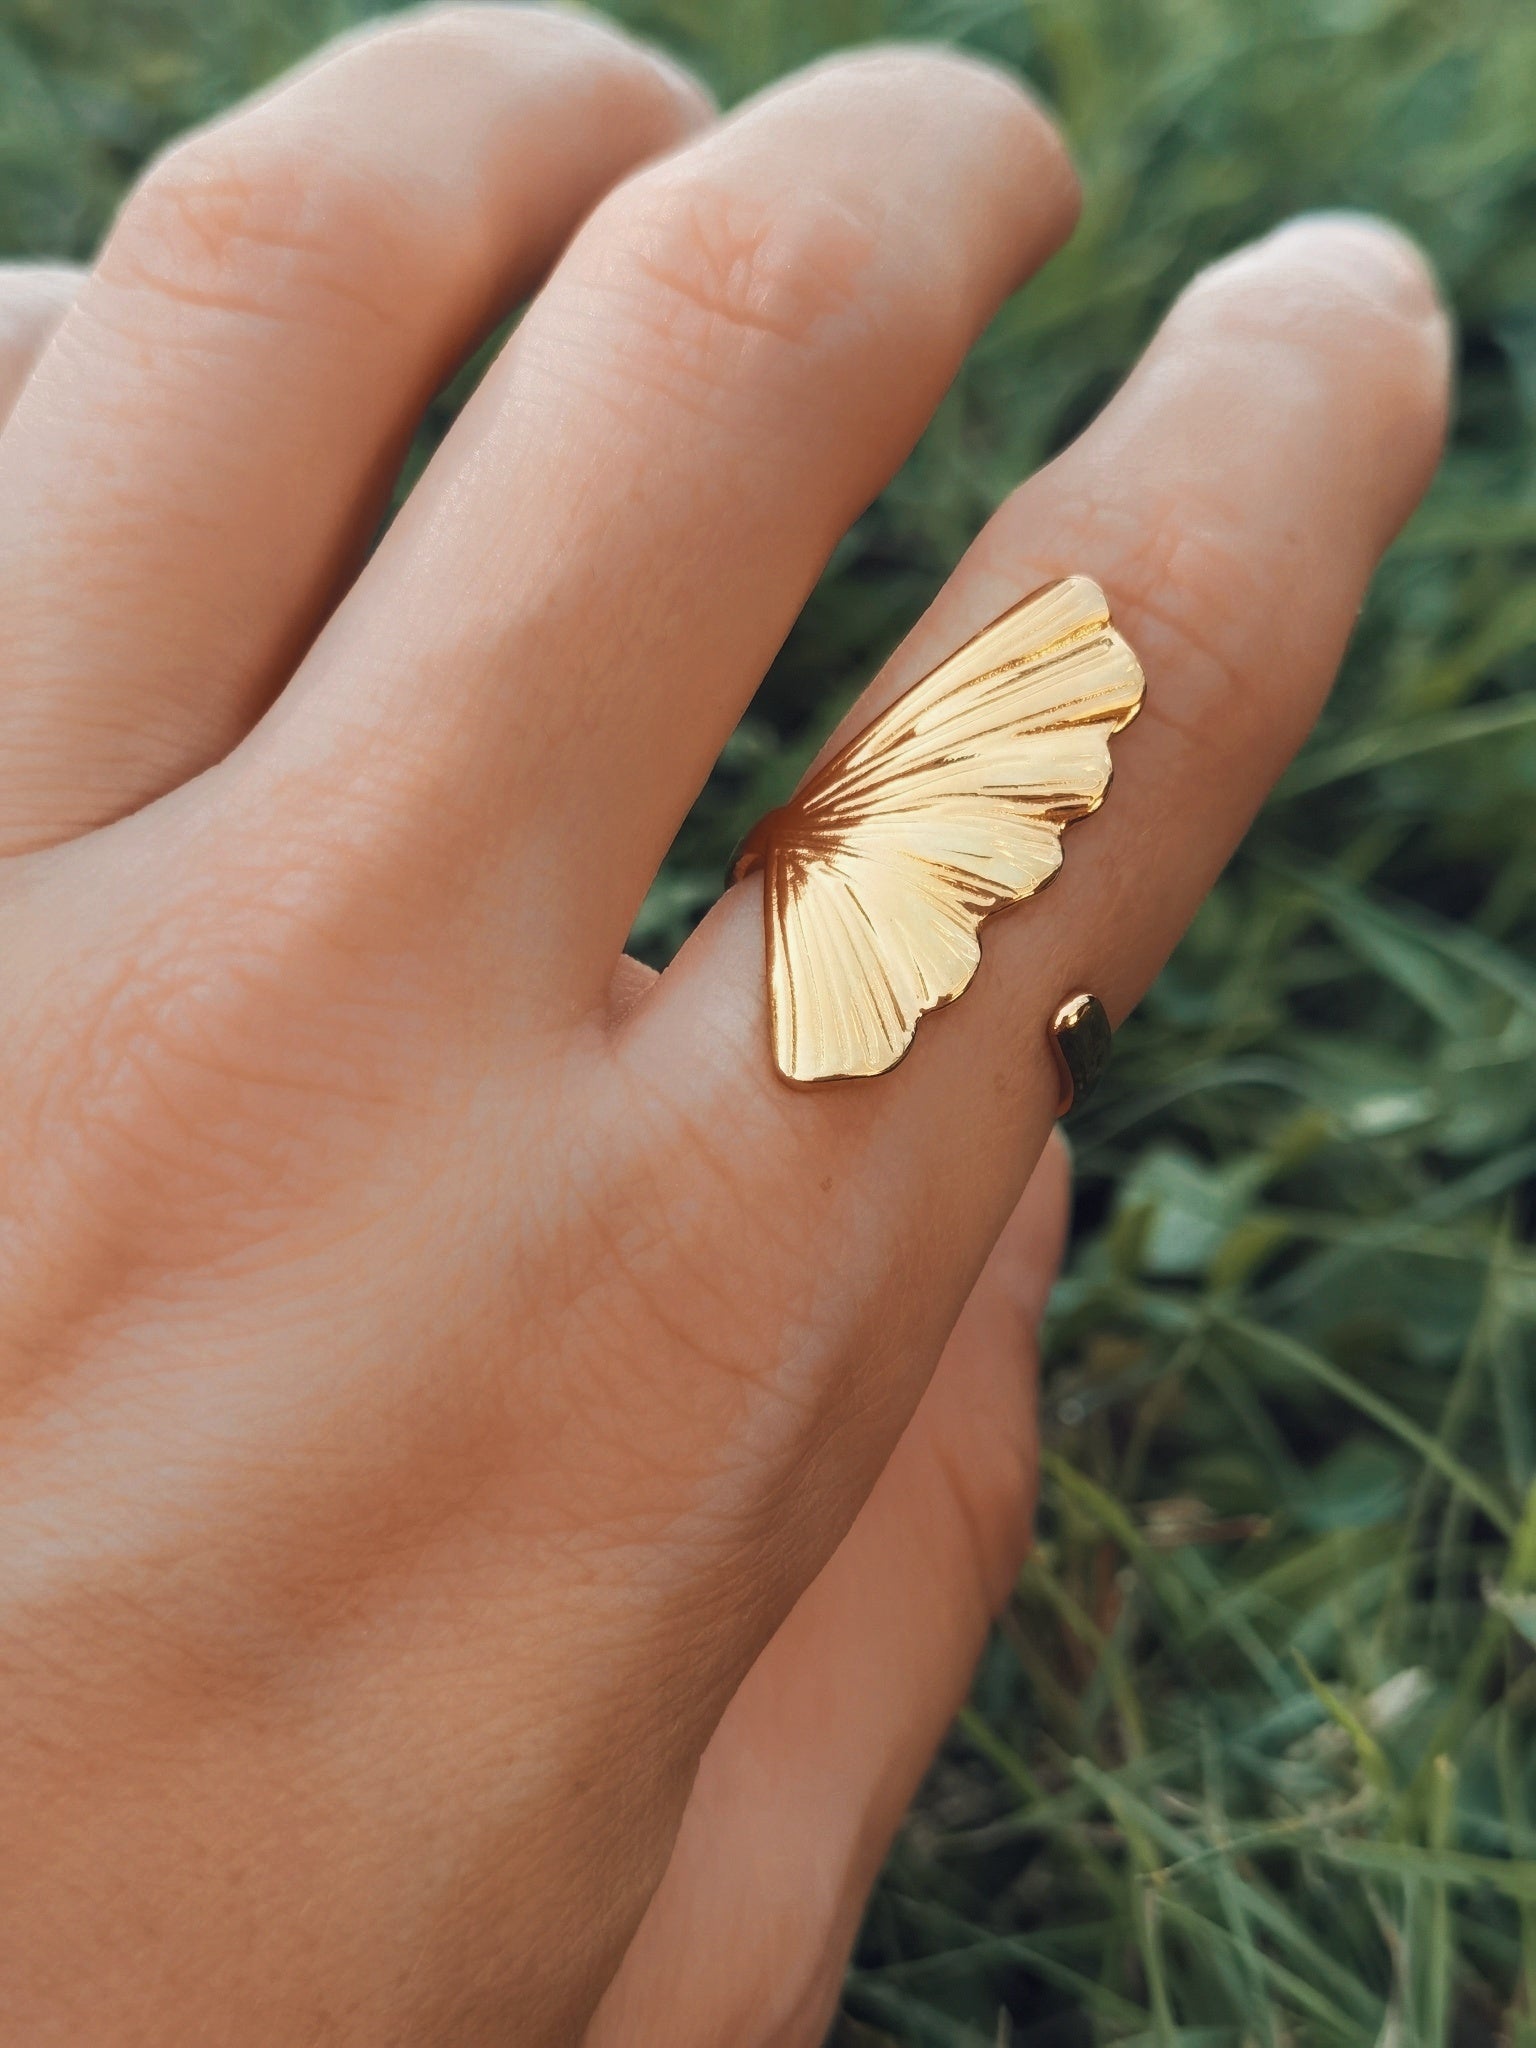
(1081, 1040)
(878, 874)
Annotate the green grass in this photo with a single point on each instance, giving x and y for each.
(1251, 1760)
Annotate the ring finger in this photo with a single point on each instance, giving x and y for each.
(1233, 500)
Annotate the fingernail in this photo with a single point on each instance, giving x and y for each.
(1369, 251)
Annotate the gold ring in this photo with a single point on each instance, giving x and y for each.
(879, 873)
(1081, 1040)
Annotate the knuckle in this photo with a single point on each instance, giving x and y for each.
(382, 160)
(718, 272)
(1181, 583)
(1191, 581)
(1186, 585)
(1192, 597)
(258, 216)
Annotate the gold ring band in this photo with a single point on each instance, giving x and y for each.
(1081, 1040)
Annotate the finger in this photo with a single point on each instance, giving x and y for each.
(34, 298)
(547, 652)
(812, 1767)
(209, 441)
(1233, 501)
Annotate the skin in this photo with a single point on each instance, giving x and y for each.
(500, 1497)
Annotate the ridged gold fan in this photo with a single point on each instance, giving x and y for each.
(951, 805)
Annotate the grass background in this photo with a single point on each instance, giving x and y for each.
(1250, 1760)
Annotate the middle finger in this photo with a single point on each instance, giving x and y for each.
(736, 352)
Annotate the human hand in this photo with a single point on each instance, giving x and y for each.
(487, 1550)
